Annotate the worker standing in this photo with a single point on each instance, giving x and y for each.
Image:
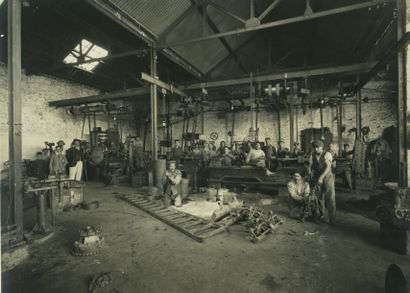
(320, 166)
(75, 160)
(270, 152)
(58, 163)
(177, 152)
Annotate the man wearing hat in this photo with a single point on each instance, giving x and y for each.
(320, 166)
(75, 160)
(61, 144)
(172, 185)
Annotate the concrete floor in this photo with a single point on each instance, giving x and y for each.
(146, 255)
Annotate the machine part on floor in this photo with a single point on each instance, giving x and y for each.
(100, 281)
(192, 226)
(10, 237)
(395, 281)
(260, 224)
(394, 208)
(91, 205)
(90, 242)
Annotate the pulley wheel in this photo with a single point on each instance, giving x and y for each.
(213, 135)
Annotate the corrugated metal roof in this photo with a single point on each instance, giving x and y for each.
(155, 15)
(203, 55)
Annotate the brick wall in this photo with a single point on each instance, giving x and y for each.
(41, 122)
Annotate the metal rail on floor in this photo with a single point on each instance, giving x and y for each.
(192, 226)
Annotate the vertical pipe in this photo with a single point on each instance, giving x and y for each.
(233, 128)
(339, 125)
(202, 120)
(402, 99)
(279, 133)
(252, 9)
(154, 106)
(358, 114)
(293, 94)
(322, 131)
(252, 105)
(15, 129)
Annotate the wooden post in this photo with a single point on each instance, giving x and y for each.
(154, 106)
(15, 129)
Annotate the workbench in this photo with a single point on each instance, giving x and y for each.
(245, 175)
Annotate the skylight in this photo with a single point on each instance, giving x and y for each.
(84, 51)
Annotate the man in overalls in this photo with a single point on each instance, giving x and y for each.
(320, 166)
(171, 181)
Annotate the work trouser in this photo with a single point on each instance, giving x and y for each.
(76, 171)
(327, 197)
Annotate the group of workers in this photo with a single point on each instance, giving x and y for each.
(247, 152)
(311, 191)
(58, 162)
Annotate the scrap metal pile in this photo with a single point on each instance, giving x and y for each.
(90, 242)
(259, 222)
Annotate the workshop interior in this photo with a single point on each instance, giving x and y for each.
(205, 145)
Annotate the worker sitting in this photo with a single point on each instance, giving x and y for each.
(256, 156)
(171, 181)
(227, 157)
(302, 205)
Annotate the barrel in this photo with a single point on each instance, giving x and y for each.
(184, 188)
(160, 167)
(138, 179)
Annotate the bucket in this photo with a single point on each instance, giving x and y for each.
(184, 188)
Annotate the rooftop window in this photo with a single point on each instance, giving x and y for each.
(84, 51)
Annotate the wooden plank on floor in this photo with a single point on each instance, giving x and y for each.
(199, 228)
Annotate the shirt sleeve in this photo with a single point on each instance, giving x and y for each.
(293, 193)
(328, 157)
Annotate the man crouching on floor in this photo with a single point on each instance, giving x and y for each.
(302, 205)
(172, 185)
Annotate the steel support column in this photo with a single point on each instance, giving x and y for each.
(293, 95)
(403, 98)
(154, 106)
(358, 114)
(15, 129)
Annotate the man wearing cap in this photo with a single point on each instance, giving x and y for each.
(172, 185)
(320, 166)
(75, 160)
